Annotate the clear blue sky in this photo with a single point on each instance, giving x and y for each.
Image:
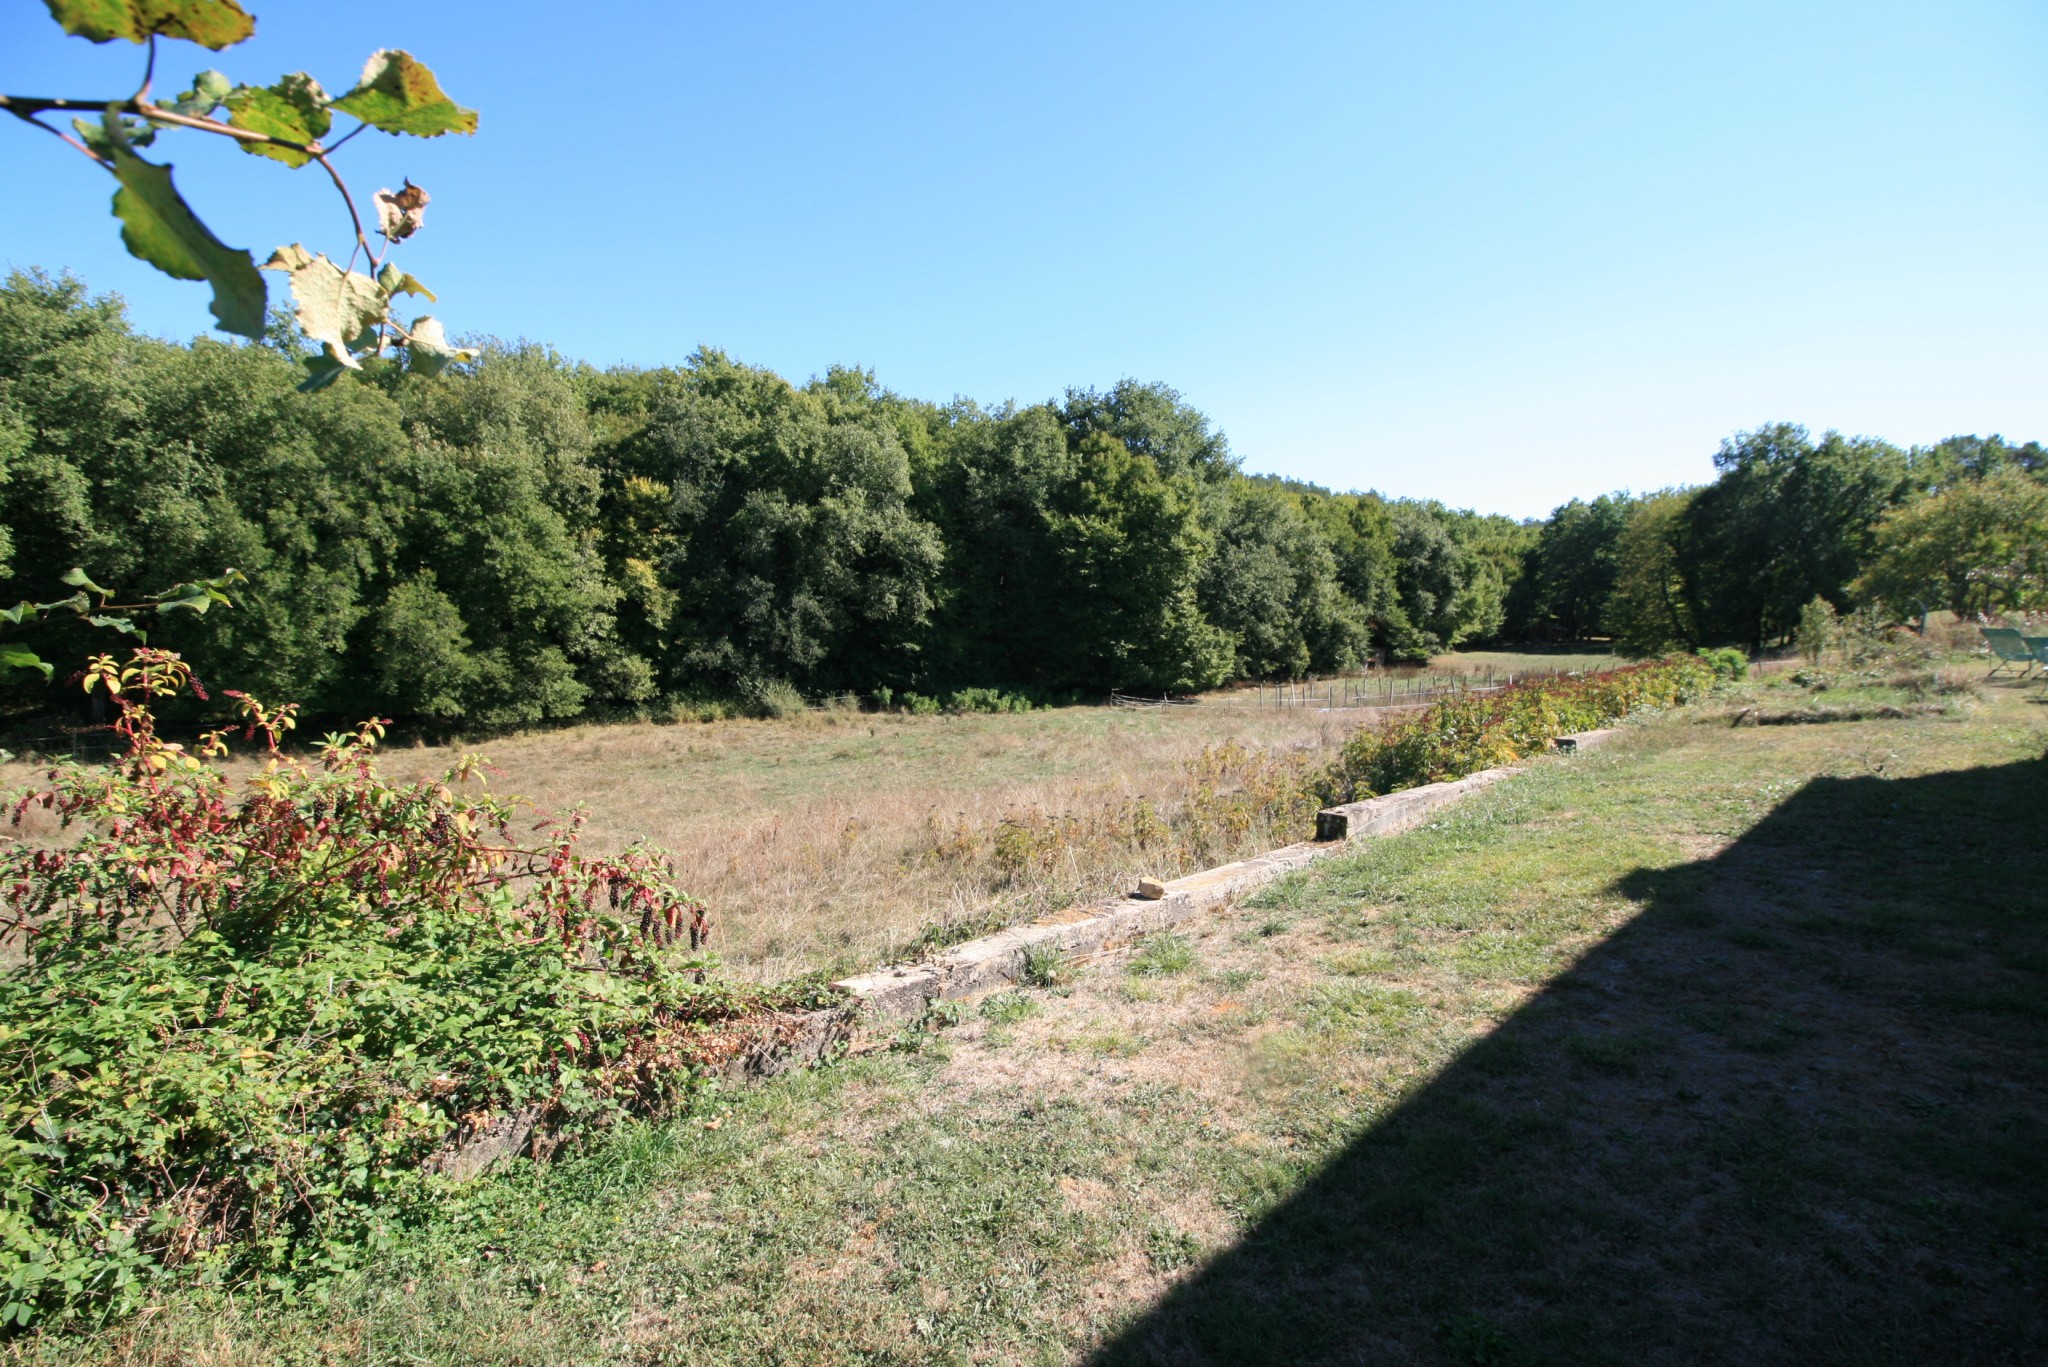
(1499, 254)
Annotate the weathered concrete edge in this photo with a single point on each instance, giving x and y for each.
(904, 991)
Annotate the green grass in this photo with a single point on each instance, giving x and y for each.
(1162, 954)
(1721, 1044)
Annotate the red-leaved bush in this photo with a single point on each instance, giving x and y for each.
(246, 1013)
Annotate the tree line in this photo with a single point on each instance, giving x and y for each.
(524, 538)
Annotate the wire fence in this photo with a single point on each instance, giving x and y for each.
(1339, 693)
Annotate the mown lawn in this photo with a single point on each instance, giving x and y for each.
(1725, 1044)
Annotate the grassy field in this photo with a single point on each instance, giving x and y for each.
(830, 840)
(833, 840)
(1720, 1045)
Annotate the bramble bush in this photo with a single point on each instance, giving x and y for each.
(1464, 734)
(243, 1022)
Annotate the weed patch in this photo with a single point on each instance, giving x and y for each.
(1162, 954)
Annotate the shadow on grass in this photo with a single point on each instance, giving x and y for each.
(1792, 1112)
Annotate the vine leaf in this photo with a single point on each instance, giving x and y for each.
(338, 309)
(209, 23)
(159, 227)
(77, 578)
(322, 370)
(295, 109)
(394, 282)
(14, 657)
(209, 88)
(96, 137)
(400, 95)
(427, 342)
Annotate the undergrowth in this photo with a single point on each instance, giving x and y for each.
(244, 1024)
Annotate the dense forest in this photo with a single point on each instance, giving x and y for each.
(525, 538)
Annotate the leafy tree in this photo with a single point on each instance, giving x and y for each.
(1979, 546)
(1573, 565)
(1131, 548)
(155, 463)
(1002, 615)
(1151, 421)
(796, 555)
(1361, 536)
(1959, 458)
(1650, 608)
(1787, 518)
(1272, 583)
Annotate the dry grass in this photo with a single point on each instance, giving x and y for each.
(831, 840)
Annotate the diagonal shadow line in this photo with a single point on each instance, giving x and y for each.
(1795, 1111)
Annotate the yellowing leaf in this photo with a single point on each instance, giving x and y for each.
(210, 23)
(160, 228)
(295, 109)
(337, 308)
(400, 95)
(394, 282)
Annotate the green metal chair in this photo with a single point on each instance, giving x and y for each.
(2039, 645)
(2011, 648)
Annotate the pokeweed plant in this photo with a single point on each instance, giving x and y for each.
(348, 314)
(247, 1015)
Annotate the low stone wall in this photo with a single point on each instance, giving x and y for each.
(905, 991)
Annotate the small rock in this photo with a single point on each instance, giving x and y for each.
(1151, 889)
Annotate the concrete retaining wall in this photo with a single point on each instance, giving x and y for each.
(905, 991)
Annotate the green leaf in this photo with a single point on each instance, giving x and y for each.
(116, 624)
(323, 370)
(394, 282)
(209, 23)
(400, 95)
(160, 228)
(195, 597)
(337, 308)
(209, 89)
(94, 135)
(295, 109)
(77, 578)
(14, 657)
(428, 345)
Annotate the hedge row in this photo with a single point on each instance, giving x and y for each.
(1474, 731)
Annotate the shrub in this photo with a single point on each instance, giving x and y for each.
(243, 1021)
(1727, 663)
(773, 698)
(986, 700)
(1816, 630)
(1472, 731)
